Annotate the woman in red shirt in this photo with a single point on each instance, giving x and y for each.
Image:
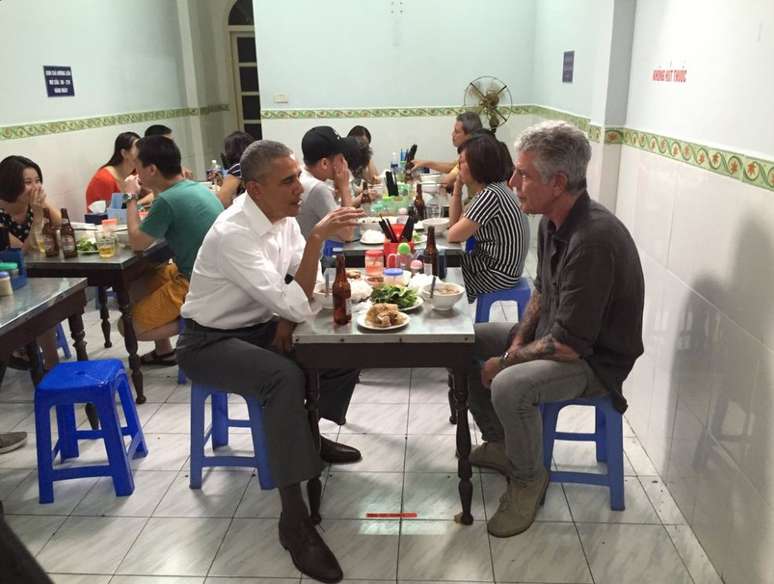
(110, 177)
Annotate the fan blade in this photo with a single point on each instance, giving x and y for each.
(478, 91)
(503, 88)
(502, 117)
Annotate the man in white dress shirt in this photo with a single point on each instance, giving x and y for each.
(252, 281)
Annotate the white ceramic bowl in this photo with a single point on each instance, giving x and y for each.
(325, 301)
(442, 300)
(440, 224)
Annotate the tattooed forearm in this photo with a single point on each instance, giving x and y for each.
(524, 331)
(544, 348)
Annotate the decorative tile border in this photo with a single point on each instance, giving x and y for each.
(376, 112)
(58, 127)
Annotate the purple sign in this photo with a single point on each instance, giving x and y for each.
(59, 81)
(568, 66)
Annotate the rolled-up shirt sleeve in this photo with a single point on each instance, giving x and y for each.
(242, 263)
(583, 297)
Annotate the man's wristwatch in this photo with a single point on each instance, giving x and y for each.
(130, 197)
(503, 359)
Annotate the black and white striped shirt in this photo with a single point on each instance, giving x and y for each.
(502, 241)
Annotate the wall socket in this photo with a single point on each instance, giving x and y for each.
(280, 98)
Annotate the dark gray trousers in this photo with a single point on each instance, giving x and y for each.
(508, 410)
(240, 361)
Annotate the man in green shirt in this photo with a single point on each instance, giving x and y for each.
(182, 213)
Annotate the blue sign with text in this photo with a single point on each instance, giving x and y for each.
(568, 66)
(59, 80)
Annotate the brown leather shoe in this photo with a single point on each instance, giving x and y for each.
(309, 552)
(336, 453)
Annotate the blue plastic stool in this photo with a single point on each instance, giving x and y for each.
(94, 382)
(218, 430)
(61, 341)
(608, 437)
(520, 294)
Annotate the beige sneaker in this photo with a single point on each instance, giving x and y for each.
(518, 506)
(490, 455)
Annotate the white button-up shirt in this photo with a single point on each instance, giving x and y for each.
(238, 279)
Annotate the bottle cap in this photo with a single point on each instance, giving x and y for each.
(404, 248)
(393, 272)
(8, 266)
(374, 253)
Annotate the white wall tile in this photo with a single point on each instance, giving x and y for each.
(758, 462)
(656, 183)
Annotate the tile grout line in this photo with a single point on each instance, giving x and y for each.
(577, 533)
(403, 474)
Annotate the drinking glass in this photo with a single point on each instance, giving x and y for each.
(106, 244)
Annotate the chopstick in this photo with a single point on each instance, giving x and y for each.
(393, 237)
(408, 229)
(432, 288)
(387, 229)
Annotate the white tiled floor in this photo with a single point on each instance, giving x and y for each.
(166, 533)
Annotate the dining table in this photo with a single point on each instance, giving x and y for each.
(117, 272)
(432, 338)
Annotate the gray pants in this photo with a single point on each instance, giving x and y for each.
(240, 361)
(508, 411)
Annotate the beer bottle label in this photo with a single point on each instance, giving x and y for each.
(428, 268)
(49, 244)
(68, 243)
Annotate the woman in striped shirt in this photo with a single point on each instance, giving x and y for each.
(493, 218)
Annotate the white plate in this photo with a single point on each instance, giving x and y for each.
(419, 240)
(361, 320)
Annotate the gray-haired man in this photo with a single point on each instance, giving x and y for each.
(234, 341)
(464, 125)
(582, 329)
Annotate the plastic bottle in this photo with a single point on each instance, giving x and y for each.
(394, 165)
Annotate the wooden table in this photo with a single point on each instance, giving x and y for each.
(431, 339)
(37, 307)
(118, 273)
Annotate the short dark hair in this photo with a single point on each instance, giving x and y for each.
(234, 146)
(358, 156)
(470, 121)
(360, 132)
(162, 152)
(158, 130)
(123, 141)
(12, 176)
(488, 159)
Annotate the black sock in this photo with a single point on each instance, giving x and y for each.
(293, 506)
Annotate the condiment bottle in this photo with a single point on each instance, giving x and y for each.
(5, 284)
(430, 259)
(49, 236)
(67, 237)
(419, 204)
(404, 255)
(342, 293)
